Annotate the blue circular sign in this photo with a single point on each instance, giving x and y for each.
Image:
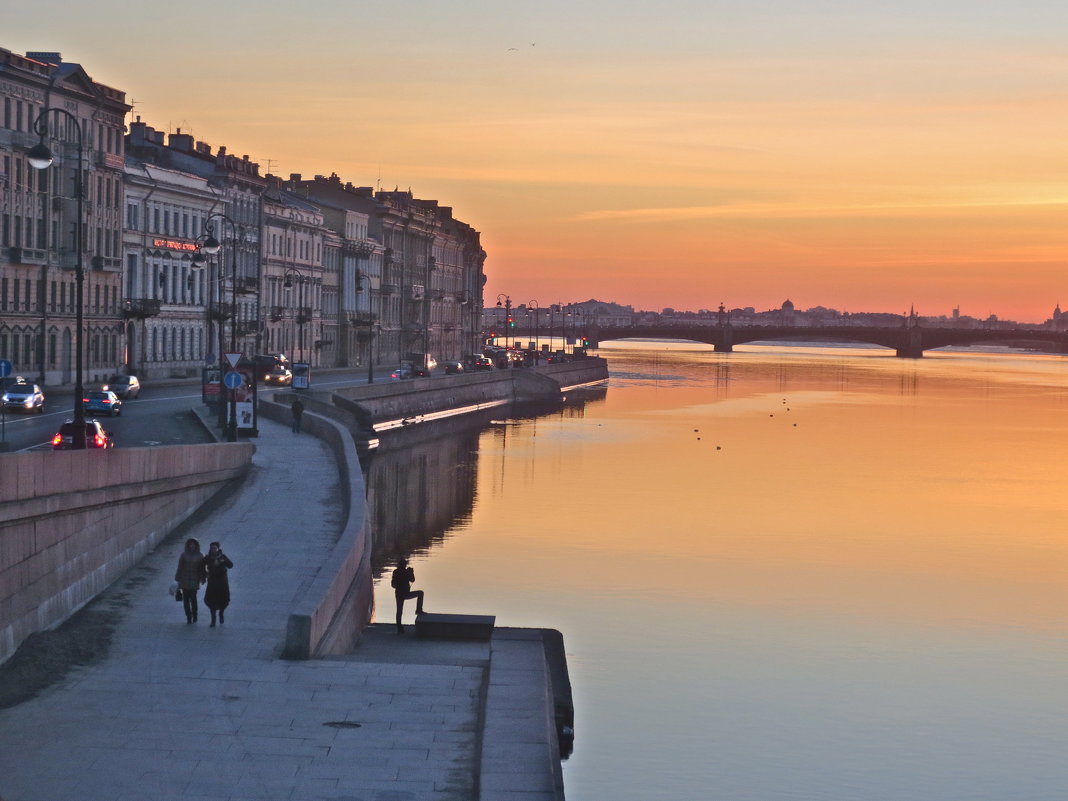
(233, 380)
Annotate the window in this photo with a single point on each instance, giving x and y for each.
(131, 216)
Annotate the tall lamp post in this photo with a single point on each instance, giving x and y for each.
(40, 158)
(507, 306)
(287, 282)
(537, 346)
(212, 246)
(370, 326)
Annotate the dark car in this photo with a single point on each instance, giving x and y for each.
(126, 387)
(401, 373)
(480, 361)
(102, 400)
(96, 436)
(453, 367)
(265, 363)
(23, 397)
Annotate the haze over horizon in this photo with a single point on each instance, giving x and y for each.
(850, 155)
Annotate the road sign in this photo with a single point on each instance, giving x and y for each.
(210, 360)
(5, 368)
(233, 380)
(233, 358)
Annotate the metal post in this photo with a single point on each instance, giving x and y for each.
(40, 158)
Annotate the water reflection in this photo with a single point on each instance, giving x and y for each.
(422, 480)
(782, 573)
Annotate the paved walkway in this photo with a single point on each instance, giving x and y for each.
(211, 714)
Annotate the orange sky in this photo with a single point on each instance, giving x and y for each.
(675, 154)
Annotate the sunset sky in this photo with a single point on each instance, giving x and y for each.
(860, 155)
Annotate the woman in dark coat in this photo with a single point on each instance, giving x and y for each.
(217, 595)
(190, 575)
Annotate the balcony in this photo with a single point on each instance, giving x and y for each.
(277, 313)
(219, 312)
(140, 308)
(248, 328)
(247, 285)
(361, 318)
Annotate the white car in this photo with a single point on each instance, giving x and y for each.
(23, 397)
(126, 387)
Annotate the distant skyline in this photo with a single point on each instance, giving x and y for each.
(857, 155)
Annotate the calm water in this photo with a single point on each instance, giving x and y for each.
(793, 573)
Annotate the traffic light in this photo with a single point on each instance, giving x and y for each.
(511, 322)
(584, 340)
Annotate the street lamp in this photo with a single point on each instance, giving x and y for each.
(360, 278)
(40, 158)
(212, 246)
(507, 306)
(302, 318)
(537, 345)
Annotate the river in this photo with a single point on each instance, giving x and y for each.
(782, 573)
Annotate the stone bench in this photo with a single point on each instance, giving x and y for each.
(454, 627)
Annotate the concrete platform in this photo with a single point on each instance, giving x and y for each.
(454, 627)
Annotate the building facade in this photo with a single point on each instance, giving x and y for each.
(39, 225)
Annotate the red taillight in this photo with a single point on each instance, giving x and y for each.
(100, 441)
(85, 400)
(57, 439)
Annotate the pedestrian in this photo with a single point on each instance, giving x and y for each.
(190, 575)
(297, 408)
(217, 594)
(401, 582)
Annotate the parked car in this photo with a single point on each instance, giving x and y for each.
(23, 397)
(126, 387)
(102, 400)
(453, 367)
(96, 436)
(479, 361)
(278, 377)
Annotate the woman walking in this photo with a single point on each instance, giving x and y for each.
(217, 595)
(190, 575)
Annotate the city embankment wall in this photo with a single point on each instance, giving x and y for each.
(72, 522)
(328, 618)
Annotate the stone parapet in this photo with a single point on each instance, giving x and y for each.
(73, 522)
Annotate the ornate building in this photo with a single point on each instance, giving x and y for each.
(411, 274)
(38, 218)
(234, 189)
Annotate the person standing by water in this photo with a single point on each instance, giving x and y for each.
(217, 594)
(297, 408)
(401, 582)
(190, 575)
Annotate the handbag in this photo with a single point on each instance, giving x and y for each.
(178, 595)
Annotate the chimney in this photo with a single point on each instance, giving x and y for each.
(55, 59)
(181, 142)
(203, 148)
(294, 177)
(222, 150)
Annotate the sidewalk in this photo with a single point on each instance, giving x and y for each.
(212, 714)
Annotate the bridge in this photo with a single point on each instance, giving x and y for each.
(908, 341)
